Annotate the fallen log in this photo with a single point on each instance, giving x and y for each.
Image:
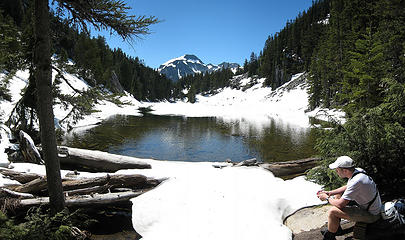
(98, 161)
(90, 190)
(34, 186)
(20, 177)
(84, 200)
(134, 181)
(4, 192)
(281, 169)
(247, 163)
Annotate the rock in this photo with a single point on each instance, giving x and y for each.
(307, 219)
(306, 223)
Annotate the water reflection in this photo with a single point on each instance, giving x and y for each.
(196, 139)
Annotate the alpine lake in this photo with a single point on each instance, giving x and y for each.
(196, 139)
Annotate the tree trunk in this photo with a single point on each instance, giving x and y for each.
(43, 78)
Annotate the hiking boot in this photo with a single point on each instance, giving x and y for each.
(339, 232)
(329, 236)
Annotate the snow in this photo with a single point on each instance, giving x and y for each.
(257, 104)
(182, 58)
(325, 21)
(199, 201)
(202, 202)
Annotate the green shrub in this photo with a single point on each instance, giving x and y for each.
(40, 225)
(374, 138)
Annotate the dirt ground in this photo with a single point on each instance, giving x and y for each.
(315, 234)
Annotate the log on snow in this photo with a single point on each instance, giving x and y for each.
(35, 186)
(4, 192)
(83, 200)
(97, 160)
(281, 169)
(20, 177)
(134, 181)
(89, 190)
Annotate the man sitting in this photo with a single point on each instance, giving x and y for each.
(360, 188)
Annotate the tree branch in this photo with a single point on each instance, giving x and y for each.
(105, 15)
(67, 82)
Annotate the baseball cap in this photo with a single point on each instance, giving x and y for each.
(342, 162)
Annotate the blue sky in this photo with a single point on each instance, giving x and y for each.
(213, 30)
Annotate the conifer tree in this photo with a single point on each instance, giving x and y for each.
(361, 87)
(102, 14)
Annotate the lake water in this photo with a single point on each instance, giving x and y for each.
(197, 139)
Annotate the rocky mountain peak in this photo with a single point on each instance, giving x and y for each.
(177, 68)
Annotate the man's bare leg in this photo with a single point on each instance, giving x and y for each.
(334, 216)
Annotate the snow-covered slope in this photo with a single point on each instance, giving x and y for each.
(247, 99)
(104, 109)
(189, 64)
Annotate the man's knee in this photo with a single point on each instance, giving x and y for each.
(334, 212)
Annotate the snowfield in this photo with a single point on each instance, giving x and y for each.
(199, 201)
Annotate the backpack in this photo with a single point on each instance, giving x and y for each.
(394, 213)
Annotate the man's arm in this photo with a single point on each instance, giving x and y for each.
(338, 202)
(338, 191)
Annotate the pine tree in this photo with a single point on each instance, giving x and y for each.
(11, 57)
(362, 80)
(191, 94)
(101, 14)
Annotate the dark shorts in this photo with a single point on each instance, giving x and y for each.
(358, 214)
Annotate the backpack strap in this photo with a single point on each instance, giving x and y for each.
(357, 172)
(372, 201)
(376, 194)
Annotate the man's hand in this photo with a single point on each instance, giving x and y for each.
(322, 195)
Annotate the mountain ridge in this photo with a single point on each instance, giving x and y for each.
(190, 64)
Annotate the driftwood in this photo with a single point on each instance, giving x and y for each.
(281, 169)
(85, 200)
(132, 181)
(20, 177)
(97, 161)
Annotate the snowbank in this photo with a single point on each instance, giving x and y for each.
(202, 202)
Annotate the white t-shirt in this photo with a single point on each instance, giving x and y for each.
(362, 189)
